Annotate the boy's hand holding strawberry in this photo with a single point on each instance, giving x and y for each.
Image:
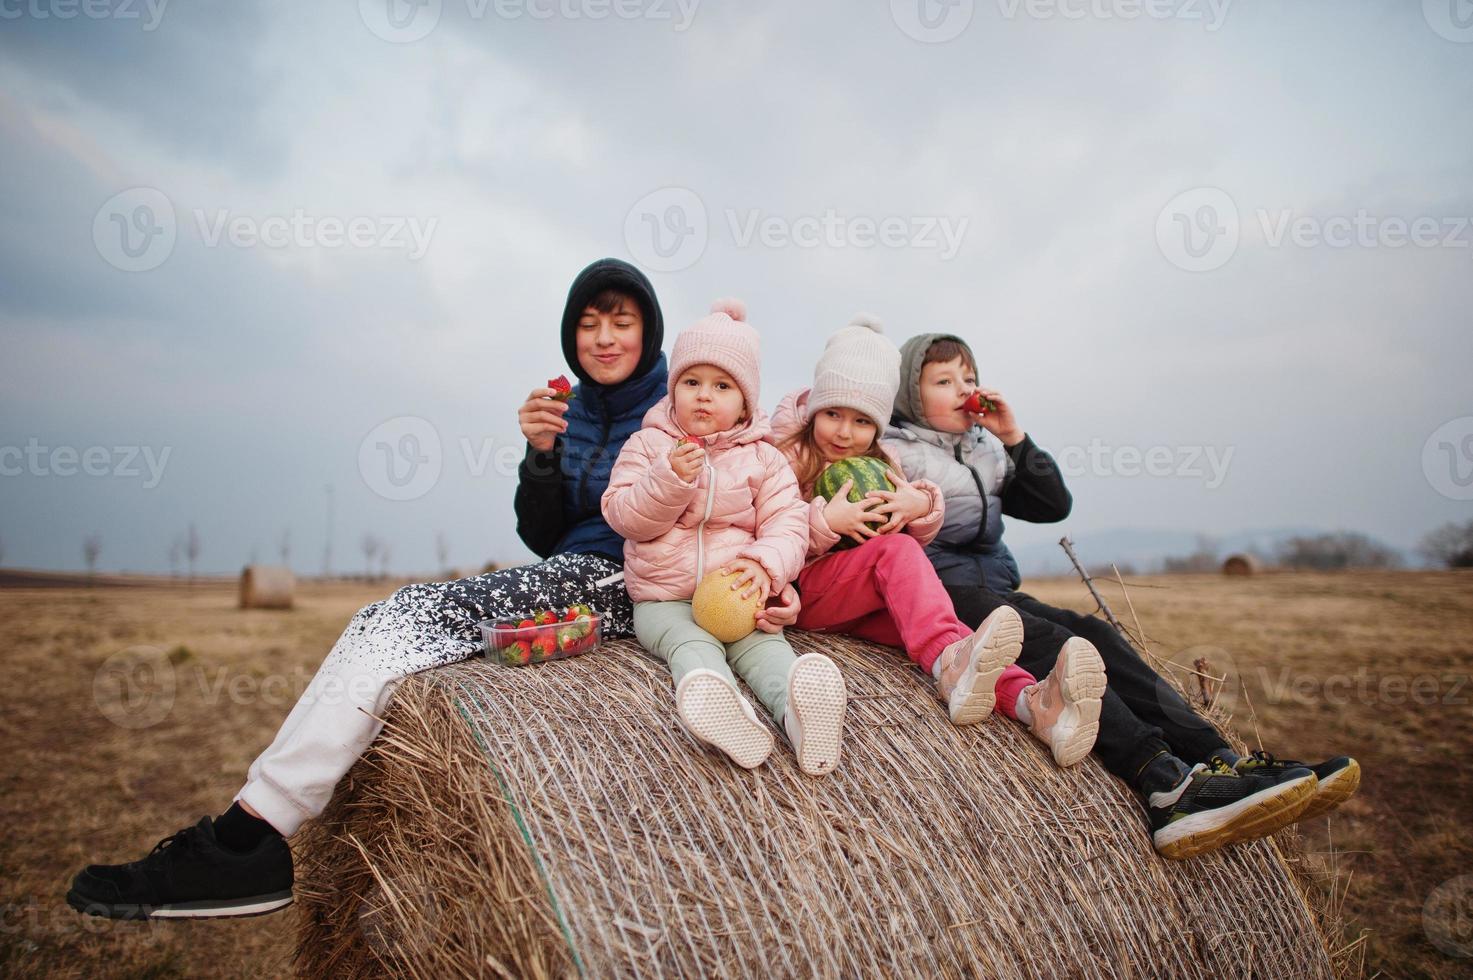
(996, 416)
(541, 415)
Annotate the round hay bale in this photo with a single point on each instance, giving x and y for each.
(556, 820)
(266, 587)
(1240, 564)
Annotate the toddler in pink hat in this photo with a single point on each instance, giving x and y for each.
(698, 490)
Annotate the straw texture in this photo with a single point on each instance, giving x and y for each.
(556, 821)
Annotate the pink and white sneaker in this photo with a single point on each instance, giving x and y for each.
(1063, 709)
(814, 719)
(970, 667)
(714, 711)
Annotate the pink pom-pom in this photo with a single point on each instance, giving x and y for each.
(733, 308)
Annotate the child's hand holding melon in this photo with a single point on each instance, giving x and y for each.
(722, 611)
(751, 579)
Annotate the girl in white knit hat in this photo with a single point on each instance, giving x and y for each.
(885, 589)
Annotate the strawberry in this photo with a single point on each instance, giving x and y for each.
(545, 617)
(976, 404)
(582, 609)
(570, 615)
(579, 627)
(518, 652)
(696, 441)
(567, 640)
(543, 647)
(526, 624)
(562, 388)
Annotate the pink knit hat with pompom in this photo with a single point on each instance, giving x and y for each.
(722, 338)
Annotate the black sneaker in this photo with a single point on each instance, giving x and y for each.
(189, 876)
(1337, 779)
(1215, 806)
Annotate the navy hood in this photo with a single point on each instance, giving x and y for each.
(613, 274)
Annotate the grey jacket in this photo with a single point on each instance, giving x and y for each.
(981, 482)
(971, 468)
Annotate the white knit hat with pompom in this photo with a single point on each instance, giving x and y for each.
(859, 369)
(722, 338)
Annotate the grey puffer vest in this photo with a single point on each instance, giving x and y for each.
(972, 469)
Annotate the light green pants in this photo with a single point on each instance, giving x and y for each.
(763, 660)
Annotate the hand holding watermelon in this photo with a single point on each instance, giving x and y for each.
(902, 505)
(847, 485)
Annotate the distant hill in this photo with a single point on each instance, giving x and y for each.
(1144, 549)
(36, 578)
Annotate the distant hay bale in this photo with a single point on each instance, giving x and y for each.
(552, 821)
(266, 587)
(1240, 564)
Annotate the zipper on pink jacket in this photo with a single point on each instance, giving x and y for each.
(701, 527)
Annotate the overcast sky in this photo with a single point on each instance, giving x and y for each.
(1217, 254)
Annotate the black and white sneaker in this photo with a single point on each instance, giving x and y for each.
(1337, 779)
(1215, 806)
(189, 876)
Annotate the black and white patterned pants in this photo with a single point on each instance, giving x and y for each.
(428, 624)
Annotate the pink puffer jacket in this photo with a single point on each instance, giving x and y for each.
(743, 504)
(792, 416)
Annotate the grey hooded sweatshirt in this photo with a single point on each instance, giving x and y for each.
(980, 480)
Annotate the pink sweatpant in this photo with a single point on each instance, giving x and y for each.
(886, 591)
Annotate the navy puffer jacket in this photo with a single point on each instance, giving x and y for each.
(558, 493)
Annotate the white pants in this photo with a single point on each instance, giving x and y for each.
(420, 626)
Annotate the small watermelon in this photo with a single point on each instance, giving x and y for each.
(867, 473)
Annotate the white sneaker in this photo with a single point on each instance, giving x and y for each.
(715, 712)
(971, 666)
(1064, 708)
(814, 720)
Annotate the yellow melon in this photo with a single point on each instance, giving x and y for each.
(721, 611)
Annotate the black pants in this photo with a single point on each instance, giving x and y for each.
(1141, 714)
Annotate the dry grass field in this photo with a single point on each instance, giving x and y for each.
(104, 760)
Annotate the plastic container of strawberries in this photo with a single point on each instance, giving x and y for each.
(535, 638)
